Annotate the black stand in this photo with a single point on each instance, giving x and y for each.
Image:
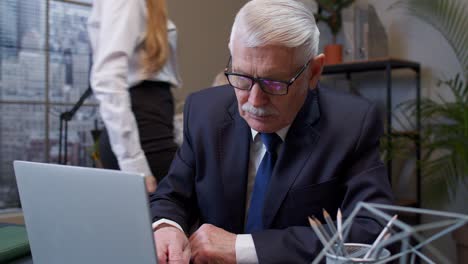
(65, 117)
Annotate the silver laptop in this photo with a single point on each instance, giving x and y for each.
(85, 215)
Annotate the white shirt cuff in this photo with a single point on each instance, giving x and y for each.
(136, 165)
(166, 221)
(245, 250)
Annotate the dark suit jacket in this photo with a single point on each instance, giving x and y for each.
(329, 160)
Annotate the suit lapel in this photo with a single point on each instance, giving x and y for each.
(296, 150)
(234, 143)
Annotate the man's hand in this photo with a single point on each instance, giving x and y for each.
(172, 245)
(211, 244)
(150, 182)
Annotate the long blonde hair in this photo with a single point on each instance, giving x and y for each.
(156, 42)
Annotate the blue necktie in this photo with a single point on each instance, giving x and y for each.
(264, 172)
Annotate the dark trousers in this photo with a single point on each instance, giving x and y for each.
(153, 107)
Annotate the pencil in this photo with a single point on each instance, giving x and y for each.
(329, 221)
(339, 224)
(316, 228)
(381, 236)
(379, 249)
(321, 228)
(331, 225)
(339, 227)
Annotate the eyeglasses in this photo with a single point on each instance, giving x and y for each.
(269, 86)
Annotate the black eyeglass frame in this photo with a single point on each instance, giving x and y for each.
(254, 80)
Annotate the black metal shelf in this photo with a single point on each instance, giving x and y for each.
(388, 65)
(370, 65)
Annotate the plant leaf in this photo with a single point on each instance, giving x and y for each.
(449, 17)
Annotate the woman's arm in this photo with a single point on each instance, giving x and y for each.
(121, 26)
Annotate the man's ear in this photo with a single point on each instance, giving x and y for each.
(316, 70)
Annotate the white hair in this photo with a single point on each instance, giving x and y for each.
(287, 23)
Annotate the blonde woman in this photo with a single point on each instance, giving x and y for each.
(134, 68)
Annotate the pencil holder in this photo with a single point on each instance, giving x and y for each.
(356, 252)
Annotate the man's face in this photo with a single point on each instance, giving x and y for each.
(265, 112)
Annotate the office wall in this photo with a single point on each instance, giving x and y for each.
(204, 28)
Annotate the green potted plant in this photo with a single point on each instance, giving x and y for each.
(445, 122)
(330, 13)
(444, 139)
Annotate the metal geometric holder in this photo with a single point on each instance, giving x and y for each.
(410, 237)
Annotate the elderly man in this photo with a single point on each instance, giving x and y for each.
(262, 154)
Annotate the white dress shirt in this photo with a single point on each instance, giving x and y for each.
(117, 30)
(245, 247)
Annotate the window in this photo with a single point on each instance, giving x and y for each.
(44, 69)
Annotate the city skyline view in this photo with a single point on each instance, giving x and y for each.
(38, 82)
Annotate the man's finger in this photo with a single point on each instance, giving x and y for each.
(177, 252)
(187, 253)
(161, 252)
(180, 261)
(184, 258)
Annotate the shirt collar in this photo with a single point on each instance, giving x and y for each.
(282, 132)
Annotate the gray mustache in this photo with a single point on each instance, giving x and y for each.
(259, 111)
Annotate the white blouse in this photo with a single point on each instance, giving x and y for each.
(117, 30)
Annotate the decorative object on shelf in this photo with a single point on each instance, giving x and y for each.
(445, 164)
(364, 36)
(349, 37)
(377, 40)
(330, 13)
(413, 242)
(361, 30)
